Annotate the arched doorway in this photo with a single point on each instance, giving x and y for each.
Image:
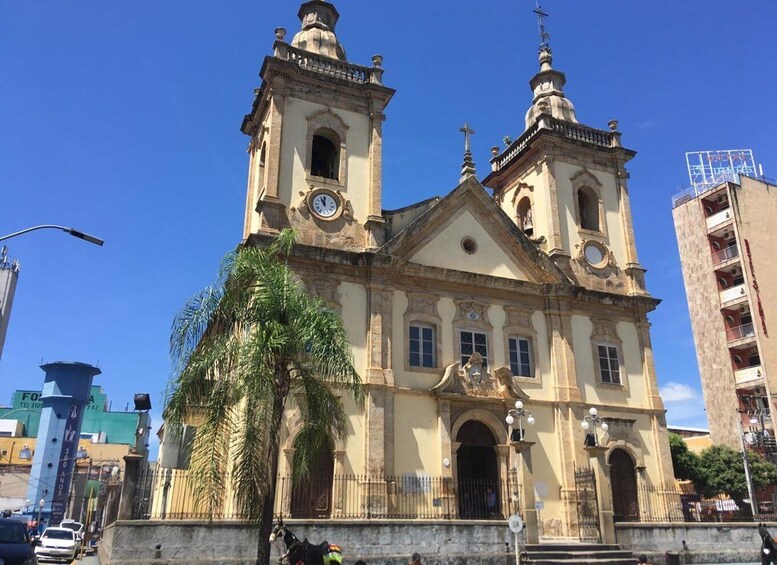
(477, 472)
(623, 476)
(311, 497)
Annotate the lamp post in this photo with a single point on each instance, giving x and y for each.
(593, 421)
(519, 412)
(598, 457)
(525, 474)
(74, 232)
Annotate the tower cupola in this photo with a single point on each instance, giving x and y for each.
(548, 87)
(318, 30)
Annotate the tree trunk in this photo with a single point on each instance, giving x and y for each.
(263, 548)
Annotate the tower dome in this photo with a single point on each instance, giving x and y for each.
(318, 30)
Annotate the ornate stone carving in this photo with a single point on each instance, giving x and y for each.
(622, 430)
(324, 288)
(472, 311)
(518, 317)
(474, 380)
(422, 304)
(605, 328)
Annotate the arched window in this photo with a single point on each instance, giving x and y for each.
(525, 220)
(325, 157)
(588, 207)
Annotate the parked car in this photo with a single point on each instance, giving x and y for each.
(77, 527)
(15, 545)
(57, 544)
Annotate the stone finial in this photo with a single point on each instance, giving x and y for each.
(377, 60)
(613, 125)
(495, 150)
(507, 140)
(280, 33)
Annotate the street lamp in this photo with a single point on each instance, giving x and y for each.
(518, 412)
(71, 231)
(593, 421)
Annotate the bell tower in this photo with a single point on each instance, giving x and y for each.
(315, 146)
(565, 185)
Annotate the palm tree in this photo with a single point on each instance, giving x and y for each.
(242, 349)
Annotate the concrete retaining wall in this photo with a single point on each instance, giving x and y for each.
(377, 542)
(728, 542)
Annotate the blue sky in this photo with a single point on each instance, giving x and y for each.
(122, 119)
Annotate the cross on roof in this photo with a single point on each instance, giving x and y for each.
(544, 36)
(467, 132)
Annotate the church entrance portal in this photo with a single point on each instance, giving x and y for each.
(311, 497)
(625, 501)
(477, 472)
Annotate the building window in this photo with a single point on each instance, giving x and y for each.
(588, 207)
(422, 346)
(472, 342)
(325, 157)
(520, 357)
(609, 368)
(754, 359)
(525, 219)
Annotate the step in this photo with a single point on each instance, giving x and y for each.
(612, 554)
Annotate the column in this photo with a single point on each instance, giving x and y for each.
(129, 486)
(601, 468)
(375, 219)
(526, 493)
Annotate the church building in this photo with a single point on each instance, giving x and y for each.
(524, 285)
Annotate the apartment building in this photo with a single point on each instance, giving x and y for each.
(726, 240)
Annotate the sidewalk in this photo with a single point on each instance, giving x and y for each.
(88, 560)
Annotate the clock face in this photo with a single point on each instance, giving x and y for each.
(325, 205)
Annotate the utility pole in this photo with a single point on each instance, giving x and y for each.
(746, 461)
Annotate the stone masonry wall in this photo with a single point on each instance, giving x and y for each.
(232, 543)
(695, 543)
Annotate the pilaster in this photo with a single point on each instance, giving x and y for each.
(562, 356)
(601, 469)
(277, 105)
(555, 243)
(528, 501)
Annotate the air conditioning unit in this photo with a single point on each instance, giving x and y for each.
(721, 199)
(742, 309)
(728, 235)
(735, 271)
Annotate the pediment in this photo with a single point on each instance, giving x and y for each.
(467, 231)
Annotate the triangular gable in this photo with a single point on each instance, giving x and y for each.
(437, 239)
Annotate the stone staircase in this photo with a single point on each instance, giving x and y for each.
(576, 554)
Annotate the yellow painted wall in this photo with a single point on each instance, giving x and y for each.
(417, 439)
(353, 298)
(445, 250)
(633, 391)
(294, 144)
(608, 193)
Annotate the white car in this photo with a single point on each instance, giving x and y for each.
(77, 527)
(57, 544)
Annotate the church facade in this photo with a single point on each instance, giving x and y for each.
(523, 285)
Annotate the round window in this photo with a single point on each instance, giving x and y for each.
(595, 254)
(469, 245)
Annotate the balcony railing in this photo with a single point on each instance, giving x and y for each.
(719, 218)
(724, 255)
(740, 332)
(328, 66)
(748, 374)
(569, 130)
(732, 293)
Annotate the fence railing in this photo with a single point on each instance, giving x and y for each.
(675, 505)
(173, 494)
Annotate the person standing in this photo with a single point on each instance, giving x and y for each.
(415, 560)
(768, 547)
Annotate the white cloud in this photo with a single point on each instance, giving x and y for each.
(677, 392)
